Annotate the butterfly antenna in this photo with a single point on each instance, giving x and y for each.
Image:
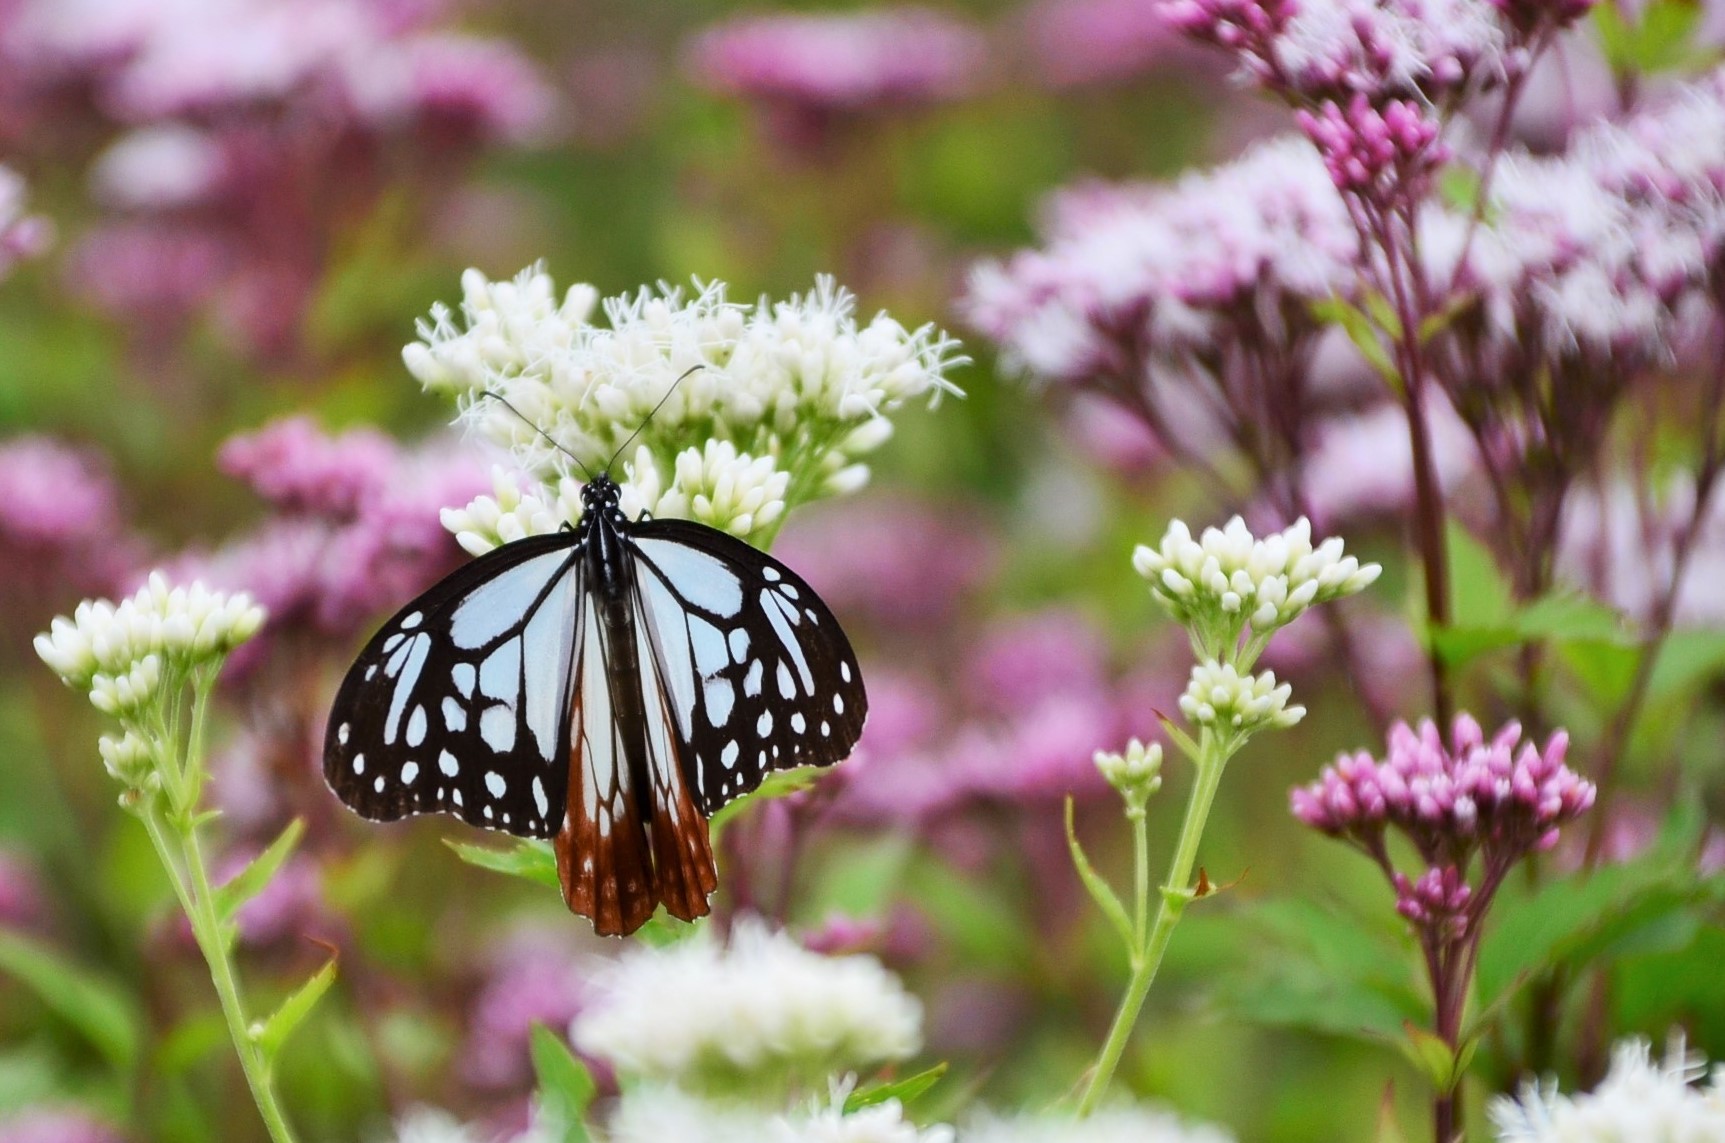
(649, 417)
(504, 401)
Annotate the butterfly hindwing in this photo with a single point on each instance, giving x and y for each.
(759, 674)
(460, 703)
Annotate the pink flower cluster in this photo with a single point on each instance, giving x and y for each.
(1369, 148)
(533, 979)
(1312, 51)
(61, 531)
(1472, 796)
(356, 532)
(1136, 275)
(57, 1125)
(1082, 42)
(250, 133)
(842, 63)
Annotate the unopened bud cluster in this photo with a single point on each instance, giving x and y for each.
(1221, 698)
(134, 658)
(1137, 773)
(1227, 581)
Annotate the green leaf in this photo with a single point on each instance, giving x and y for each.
(566, 1088)
(906, 1090)
(272, 1033)
(99, 1009)
(778, 784)
(1100, 891)
(1663, 39)
(1686, 660)
(1357, 324)
(1433, 1059)
(1310, 966)
(1585, 917)
(1459, 185)
(530, 860)
(250, 881)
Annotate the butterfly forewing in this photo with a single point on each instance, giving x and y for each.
(459, 703)
(759, 673)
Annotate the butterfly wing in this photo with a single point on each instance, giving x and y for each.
(461, 703)
(758, 675)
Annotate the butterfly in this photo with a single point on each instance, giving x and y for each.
(609, 687)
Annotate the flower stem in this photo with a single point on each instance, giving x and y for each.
(1147, 958)
(174, 834)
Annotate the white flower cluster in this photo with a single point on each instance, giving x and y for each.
(121, 653)
(431, 1125)
(1137, 773)
(651, 1114)
(1221, 697)
(1125, 1124)
(795, 389)
(1640, 1101)
(699, 1013)
(1223, 581)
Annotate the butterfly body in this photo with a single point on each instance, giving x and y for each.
(608, 687)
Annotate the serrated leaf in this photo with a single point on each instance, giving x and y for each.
(530, 860)
(1578, 919)
(906, 1090)
(274, 1032)
(101, 1011)
(566, 1088)
(1100, 891)
(250, 881)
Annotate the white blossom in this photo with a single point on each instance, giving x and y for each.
(1108, 1125)
(1227, 580)
(129, 758)
(800, 384)
(651, 1113)
(826, 1122)
(487, 522)
(1639, 1101)
(120, 652)
(697, 1011)
(1220, 696)
(164, 166)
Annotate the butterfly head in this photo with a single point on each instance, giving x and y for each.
(601, 494)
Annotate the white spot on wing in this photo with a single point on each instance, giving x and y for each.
(447, 763)
(415, 652)
(539, 800)
(500, 673)
(709, 646)
(497, 728)
(764, 724)
(409, 622)
(770, 574)
(721, 697)
(502, 602)
(359, 763)
(752, 681)
(409, 771)
(416, 726)
(739, 640)
(728, 756)
(454, 716)
(494, 782)
(464, 676)
(787, 685)
(696, 576)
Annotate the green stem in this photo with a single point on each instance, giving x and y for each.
(1175, 896)
(175, 837)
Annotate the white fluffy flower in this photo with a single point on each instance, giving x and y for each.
(651, 1113)
(122, 651)
(1265, 584)
(1109, 1125)
(763, 1006)
(429, 1125)
(797, 382)
(1221, 697)
(1640, 1101)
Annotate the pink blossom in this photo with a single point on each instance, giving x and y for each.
(45, 1125)
(1079, 42)
(61, 531)
(1618, 540)
(23, 901)
(358, 529)
(842, 62)
(895, 561)
(1499, 797)
(21, 235)
(1361, 465)
(533, 979)
(1369, 148)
